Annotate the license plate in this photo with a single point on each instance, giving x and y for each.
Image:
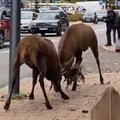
(43, 28)
(87, 19)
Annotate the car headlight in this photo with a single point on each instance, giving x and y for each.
(55, 23)
(32, 24)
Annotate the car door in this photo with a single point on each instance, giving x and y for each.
(5, 22)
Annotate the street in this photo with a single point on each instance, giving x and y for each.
(99, 29)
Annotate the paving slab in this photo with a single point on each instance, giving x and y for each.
(78, 107)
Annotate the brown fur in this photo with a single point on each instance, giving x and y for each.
(41, 56)
(76, 39)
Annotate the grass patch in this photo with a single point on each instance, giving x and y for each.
(19, 96)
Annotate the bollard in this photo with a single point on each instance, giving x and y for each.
(117, 47)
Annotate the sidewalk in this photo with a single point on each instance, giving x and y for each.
(109, 48)
(83, 99)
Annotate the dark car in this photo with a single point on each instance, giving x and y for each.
(4, 26)
(50, 22)
(89, 16)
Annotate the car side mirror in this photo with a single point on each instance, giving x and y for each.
(6, 18)
(34, 18)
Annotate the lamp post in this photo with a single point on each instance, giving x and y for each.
(14, 39)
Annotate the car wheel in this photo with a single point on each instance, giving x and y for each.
(29, 31)
(42, 34)
(1, 40)
(59, 33)
(33, 31)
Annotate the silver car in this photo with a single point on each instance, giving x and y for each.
(101, 14)
(88, 16)
(26, 18)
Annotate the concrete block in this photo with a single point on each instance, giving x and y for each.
(115, 105)
(101, 109)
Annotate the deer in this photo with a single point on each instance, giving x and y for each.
(76, 40)
(41, 56)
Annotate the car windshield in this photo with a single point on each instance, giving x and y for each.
(101, 12)
(26, 15)
(48, 16)
(89, 13)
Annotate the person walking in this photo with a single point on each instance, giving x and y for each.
(95, 18)
(109, 24)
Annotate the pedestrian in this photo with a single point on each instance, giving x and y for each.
(95, 18)
(116, 27)
(109, 24)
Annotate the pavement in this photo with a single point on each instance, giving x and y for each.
(78, 107)
(111, 48)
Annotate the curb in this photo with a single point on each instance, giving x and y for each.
(109, 48)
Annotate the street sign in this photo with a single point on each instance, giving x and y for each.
(116, 2)
(100, 2)
(57, 1)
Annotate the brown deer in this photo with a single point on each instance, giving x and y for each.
(76, 39)
(41, 56)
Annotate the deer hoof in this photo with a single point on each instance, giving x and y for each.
(31, 97)
(6, 107)
(49, 107)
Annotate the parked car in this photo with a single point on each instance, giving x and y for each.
(29, 9)
(49, 8)
(117, 10)
(101, 14)
(26, 18)
(54, 21)
(4, 26)
(89, 16)
(81, 9)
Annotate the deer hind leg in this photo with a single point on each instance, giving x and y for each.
(16, 69)
(35, 76)
(42, 68)
(48, 105)
(96, 55)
